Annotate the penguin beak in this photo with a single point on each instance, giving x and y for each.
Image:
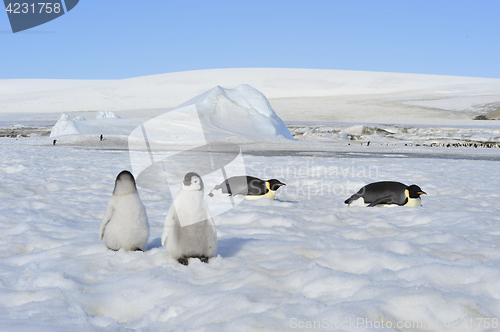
(422, 193)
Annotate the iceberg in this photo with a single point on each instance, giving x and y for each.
(66, 125)
(243, 111)
(217, 115)
(106, 115)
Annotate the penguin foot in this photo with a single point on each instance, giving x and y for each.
(183, 261)
(137, 249)
(204, 259)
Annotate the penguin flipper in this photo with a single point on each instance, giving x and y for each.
(352, 198)
(106, 219)
(382, 200)
(169, 223)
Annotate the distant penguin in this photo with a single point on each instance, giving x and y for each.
(54, 142)
(125, 223)
(189, 230)
(101, 137)
(251, 188)
(387, 193)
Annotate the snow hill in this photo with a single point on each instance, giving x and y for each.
(295, 95)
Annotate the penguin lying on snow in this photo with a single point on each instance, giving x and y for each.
(387, 193)
(125, 223)
(189, 229)
(249, 187)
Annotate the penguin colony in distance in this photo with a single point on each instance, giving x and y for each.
(125, 223)
(387, 193)
(251, 188)
(189, 230)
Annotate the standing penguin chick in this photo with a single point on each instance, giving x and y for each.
(387, 193)
(189, 229)
(125, 223)
(251, 188)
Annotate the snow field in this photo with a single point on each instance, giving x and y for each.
(304, 257)
(302, 261)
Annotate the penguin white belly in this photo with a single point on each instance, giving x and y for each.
(270, 195)
(190, 229)
(128, 227)
(360, 202)
(194, 240)
(414, 202)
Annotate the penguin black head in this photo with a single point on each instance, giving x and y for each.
(192, 181)
(275, 184)
(415, 191)
(125, 183)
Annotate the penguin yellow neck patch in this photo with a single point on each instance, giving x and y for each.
(270, 194)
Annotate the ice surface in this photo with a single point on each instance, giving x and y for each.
(303, 260)
(303, 257)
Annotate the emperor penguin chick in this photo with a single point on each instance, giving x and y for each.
(125, 223)
(189, 229)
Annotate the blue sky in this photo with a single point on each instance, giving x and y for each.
(113, 39)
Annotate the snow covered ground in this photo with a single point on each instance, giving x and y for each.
(303, 261)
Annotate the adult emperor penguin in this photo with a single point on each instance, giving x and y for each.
(387, 193)
(249, 187)
(125, 223)
(189, 230)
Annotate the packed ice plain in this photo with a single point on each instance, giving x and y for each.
(302, 261)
